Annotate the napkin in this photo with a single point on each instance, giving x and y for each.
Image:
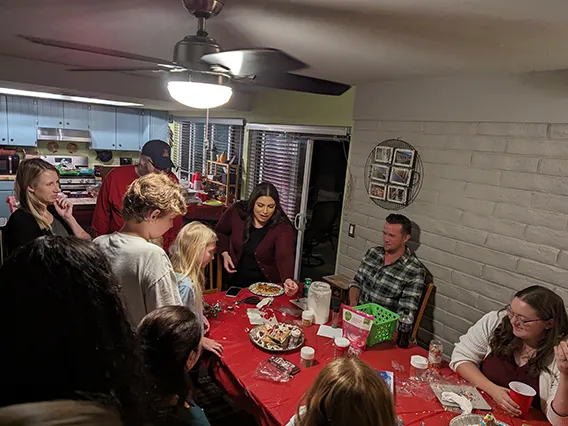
(465, 404)
(255, 317)
(264, 302)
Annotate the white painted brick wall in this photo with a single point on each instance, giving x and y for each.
(491, 218)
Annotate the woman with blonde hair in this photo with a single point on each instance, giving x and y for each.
(347, 392)
(41, 210)
(191, 252)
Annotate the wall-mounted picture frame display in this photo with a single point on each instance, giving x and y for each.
(404, 157)
(380, 173)
(400, 176)
(397, 194)
(377, 191)
(383, 154)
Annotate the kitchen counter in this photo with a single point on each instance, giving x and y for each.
(83, 201)
(7, 177)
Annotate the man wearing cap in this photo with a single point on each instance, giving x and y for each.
(154, 158)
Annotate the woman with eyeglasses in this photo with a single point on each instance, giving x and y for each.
(524, 342)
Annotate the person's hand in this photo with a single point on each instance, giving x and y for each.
(561, 355)
(501, 397)
(212, 346)
(206, 325)
(64, 208)
(290, 287)
(228, 263)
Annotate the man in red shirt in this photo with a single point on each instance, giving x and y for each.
(154, 158)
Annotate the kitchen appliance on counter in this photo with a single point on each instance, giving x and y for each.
(9, 162)
(125, 161)
(75, 175)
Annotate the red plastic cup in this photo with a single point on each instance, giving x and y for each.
(523, 395)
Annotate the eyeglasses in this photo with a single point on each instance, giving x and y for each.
(518, 318)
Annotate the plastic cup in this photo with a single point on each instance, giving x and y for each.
(418, 366)
(523, 395)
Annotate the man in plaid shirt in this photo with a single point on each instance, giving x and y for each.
(390, 276)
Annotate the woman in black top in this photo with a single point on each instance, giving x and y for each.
(171, 343)
(41, 210)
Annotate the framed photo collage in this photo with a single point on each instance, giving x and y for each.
(391, 174)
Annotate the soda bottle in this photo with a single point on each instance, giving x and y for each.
(307, 284)
(404, 329)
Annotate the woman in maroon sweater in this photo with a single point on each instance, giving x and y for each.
(256, 240)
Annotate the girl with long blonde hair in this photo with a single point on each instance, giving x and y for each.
(41, 210)
(347, 392)
(192, 250)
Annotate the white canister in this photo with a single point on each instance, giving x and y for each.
(418, 366)
(307, 318)
(319, 301)
(307, 355)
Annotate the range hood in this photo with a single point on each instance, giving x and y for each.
(63, 135)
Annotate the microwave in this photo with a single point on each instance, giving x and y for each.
(9, 164)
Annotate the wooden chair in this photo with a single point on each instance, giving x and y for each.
(215, 279)
(425, 297)
(339, 286)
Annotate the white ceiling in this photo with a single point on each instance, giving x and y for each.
(351, 41)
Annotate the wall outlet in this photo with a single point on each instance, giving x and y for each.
(351, 231)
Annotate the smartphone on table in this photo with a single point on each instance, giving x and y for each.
(233, 291)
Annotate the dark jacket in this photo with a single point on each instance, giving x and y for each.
(23, 228)
(275, 254)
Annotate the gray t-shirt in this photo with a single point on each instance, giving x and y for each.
(144, 272)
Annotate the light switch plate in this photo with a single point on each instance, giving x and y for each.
(351, 231)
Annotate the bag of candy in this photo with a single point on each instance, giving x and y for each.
(356, 328)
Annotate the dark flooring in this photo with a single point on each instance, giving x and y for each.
(328, 253)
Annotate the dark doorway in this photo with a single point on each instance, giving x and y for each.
(325, 203)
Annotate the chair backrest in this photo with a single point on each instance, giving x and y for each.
(324, 215)
(428, 288)
(213, 285)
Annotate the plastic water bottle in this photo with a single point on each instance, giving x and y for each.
(404, 329)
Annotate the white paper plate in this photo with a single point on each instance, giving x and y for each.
(254, 289)
(256, 335)
(470, 420)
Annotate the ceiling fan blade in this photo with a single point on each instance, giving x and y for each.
(254, 61)
(98, 51)
(300, 83)
(152, 69)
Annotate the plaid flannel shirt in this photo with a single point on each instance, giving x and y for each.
(396, 287)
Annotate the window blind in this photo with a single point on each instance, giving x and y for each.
(278, 158)
(227, 138)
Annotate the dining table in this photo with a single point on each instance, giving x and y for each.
(274, 403)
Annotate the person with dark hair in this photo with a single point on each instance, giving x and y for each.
(390, 276)
(256, 240)
(64, 330)
(524, 342)
(155, 157)
(171, 342)
(41, 210)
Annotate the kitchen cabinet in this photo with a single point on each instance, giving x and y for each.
(159, 128)
(102, 121)
(64, 115)
(50, 113)
(22, 121)
(3, 121)
(6, 189)
(129, 129)
(76, 115)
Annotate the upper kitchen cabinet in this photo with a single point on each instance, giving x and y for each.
(64, 115)
(3, 121)
(76, 115)
(129, 129)
(22, 121)
(159, 128)
(103, 127)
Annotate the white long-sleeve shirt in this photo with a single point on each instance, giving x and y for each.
(474, 347)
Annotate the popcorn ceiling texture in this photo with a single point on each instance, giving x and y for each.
(491, 218)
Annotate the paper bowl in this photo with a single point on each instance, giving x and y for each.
(470, 420)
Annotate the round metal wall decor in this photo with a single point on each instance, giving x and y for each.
(393, 174)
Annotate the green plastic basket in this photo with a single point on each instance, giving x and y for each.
(384, 324)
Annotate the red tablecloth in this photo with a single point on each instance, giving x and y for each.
(275, 403)
(204, 212)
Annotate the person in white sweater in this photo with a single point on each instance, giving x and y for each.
(524, 342)
(143, 269)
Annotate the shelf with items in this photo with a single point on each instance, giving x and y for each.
(231, 186)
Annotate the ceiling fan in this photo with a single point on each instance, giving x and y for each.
(202, 75)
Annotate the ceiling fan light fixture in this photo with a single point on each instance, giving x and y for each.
(199, 95)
